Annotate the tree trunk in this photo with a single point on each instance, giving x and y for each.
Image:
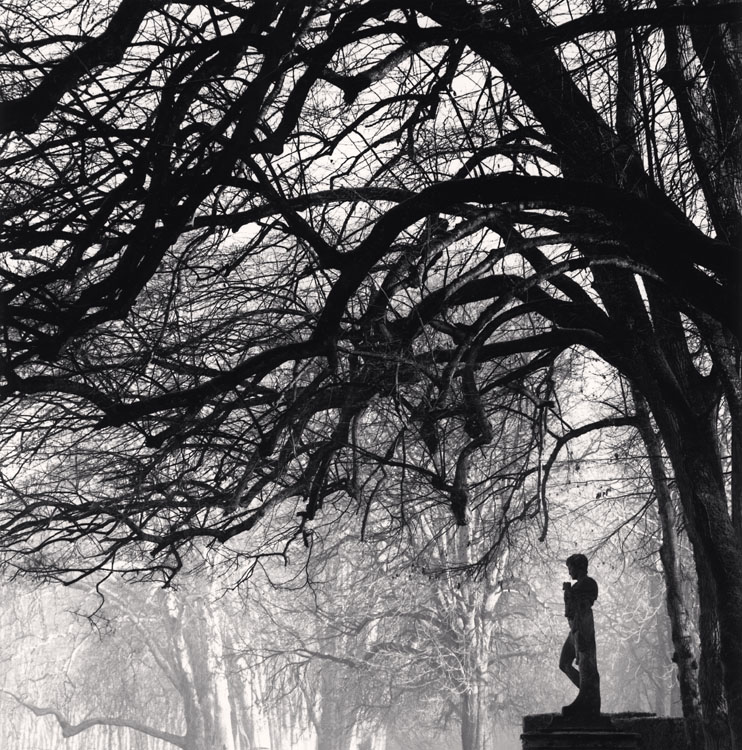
(476, 605)
(711, 676)
(692, 450)
(337, 718)
(474, 719)
(200, 668)
(680, 623)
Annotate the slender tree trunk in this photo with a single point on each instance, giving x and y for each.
(737, 478)
(664, 647)
(680, 621)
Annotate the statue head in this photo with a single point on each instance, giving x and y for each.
(577, 564)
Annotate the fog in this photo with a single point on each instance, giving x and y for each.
(359, 645)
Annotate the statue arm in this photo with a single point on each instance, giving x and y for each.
(568, 601)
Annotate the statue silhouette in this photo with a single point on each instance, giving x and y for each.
(580, 644)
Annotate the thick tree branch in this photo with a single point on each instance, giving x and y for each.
(663, 241)
(668, 16)
(26, 114)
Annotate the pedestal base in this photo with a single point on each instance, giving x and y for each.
(558, 733)
(580, 740)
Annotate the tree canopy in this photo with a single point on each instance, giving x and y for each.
(260, 259)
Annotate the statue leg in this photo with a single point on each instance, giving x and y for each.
(566, 660)
(589, 682)
(587, 703)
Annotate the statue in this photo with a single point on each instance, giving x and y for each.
(580, 644)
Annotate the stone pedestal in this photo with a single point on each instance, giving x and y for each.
(580, 740)
(557, 734)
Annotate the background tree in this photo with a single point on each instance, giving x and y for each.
(140, 668)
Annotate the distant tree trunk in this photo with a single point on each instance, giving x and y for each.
(475, 719)
(244, 702)
(475, 603)
(201, 676)
(277, 731)
(336, 719)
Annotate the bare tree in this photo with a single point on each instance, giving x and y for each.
(160, 665)
(233, 233)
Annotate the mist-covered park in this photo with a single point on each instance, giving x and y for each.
(331, 331)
